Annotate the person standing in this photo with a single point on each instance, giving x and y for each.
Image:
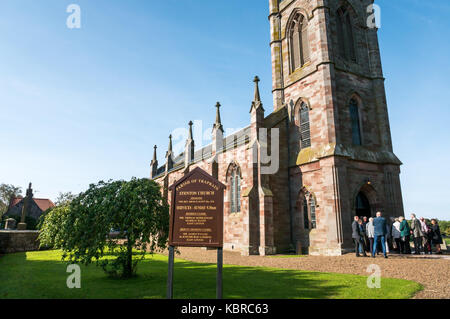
(370, 232)
(362, 231)
(405, 236)
(436, 238)
(396, 234)
(366, 238)
(416, 232)
(356, 235)
(387, 237)
(379, 224)
(426, 240)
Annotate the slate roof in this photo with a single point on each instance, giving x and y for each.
(238, 138)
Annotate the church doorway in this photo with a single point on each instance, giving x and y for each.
(363, 206)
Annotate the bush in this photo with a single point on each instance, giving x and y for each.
(81, 229)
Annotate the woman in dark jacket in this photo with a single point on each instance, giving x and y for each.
(436, 237)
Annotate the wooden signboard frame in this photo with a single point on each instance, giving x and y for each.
(196, 219)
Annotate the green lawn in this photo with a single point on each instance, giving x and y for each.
(43, 275)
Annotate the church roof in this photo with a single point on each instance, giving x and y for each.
(42, 203)
(238, 138)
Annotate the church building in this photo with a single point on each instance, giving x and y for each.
(329, 128)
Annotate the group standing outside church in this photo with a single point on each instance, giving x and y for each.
(376, 235)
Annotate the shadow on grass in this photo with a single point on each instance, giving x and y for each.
(31, 276)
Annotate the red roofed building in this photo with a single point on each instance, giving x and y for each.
(37, 207)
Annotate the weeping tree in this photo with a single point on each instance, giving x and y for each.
(81, 228)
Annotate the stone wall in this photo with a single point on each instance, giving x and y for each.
(13, 241)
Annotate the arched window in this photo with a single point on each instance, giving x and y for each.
(355, 121)
(305, 129)
(235, 190)
(345, 34)
(312, 210)
(298, 42)
(309, 212)
(305, 213)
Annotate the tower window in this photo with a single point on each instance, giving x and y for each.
(235, 190)
(345, 34)
(355, 121)
(305, 130)
(298, 42)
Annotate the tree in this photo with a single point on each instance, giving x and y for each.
(64, 198)
(6, 193)
(81, 228)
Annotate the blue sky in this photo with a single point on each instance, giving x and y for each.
(78, 106)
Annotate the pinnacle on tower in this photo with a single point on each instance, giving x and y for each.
(190, 130)
(256, 103)
(257, 96)
(170, 144)
(218, 123)
(154, 154)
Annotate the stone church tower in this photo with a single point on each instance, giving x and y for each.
(331, 123)
(327, 73)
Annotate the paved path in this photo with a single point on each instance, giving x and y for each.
(433, 272)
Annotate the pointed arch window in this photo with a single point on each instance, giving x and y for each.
(312, 211)
(298, 42)
(345, 34)
(235, 190)
(305, 213)
(355, 122)
(305, 128)
(309, 212)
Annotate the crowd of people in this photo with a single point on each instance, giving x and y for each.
(376, 235)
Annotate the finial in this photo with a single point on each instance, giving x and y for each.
(257, 96)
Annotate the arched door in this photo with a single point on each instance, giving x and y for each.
(362, 205)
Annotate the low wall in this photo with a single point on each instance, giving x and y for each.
(13, 241)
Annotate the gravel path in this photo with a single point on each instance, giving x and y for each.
(432, 272)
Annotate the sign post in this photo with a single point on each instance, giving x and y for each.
(196, 219)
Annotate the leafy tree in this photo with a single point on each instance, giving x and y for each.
(52, 227)
(81, 229)
(6, 193)
(64, 198)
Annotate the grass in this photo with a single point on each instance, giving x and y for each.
(43, 275)
(447, 241)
